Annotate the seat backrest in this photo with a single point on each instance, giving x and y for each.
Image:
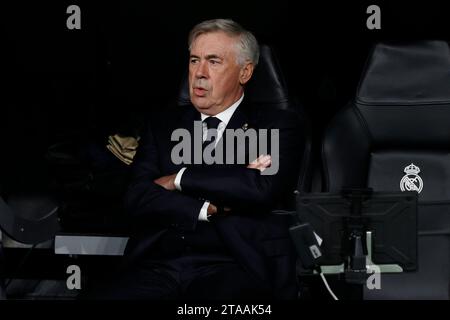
(395, 136)
(402, 105)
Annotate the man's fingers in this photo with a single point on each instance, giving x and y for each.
(261, 163)
(266, 160)
(265, 165)
(256, 161)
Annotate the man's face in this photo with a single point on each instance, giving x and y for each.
(215, 79)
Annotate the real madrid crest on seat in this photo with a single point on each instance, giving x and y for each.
(411, 181)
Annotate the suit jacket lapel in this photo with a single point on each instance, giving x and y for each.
(240, 117)
(186, 121)
(189, 115)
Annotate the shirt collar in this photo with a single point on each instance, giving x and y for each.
(226, 114)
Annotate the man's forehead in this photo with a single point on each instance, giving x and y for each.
(213, 43)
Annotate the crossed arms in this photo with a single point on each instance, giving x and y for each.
(152, 197)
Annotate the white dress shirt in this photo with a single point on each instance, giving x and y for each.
(224, 117)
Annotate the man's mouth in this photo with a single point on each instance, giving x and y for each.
(199, 91)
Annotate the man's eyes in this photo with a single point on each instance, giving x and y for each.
(211, 61)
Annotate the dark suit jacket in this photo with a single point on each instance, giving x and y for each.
(258, 240)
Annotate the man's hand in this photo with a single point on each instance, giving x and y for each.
(167, 182)
(261, 163)
(212, 210)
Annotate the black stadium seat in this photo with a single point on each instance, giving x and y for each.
(395, 135)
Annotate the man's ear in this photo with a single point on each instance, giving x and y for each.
(246, 73)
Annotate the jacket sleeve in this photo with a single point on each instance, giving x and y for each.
(149, 203)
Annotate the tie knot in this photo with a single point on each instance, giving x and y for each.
(212, 122)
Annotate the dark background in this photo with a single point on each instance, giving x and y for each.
(129, 55)
(82, 85)
(75, 87)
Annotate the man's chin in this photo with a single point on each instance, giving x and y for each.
(201, 107)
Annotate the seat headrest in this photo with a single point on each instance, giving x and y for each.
(267, 85)
(406, 74)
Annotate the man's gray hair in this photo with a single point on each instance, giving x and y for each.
(248, 48)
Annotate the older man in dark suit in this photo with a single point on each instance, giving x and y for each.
(205, 231)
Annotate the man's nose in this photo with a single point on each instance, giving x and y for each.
(202, 70)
